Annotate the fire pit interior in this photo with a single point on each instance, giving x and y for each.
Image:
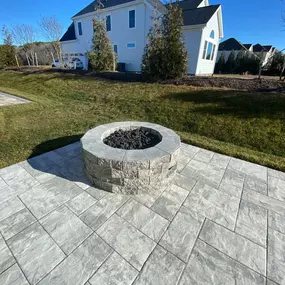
(138, 138)
(130, 157)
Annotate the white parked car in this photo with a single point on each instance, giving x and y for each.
(56, 63)
(73, 63)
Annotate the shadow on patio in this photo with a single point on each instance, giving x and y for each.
(65, 161)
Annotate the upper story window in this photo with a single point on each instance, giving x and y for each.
(108, 23)
(116, 48)
(212, 35)
(132, 18)
(79, 28)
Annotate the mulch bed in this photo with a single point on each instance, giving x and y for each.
(139, 138)
(264, 85)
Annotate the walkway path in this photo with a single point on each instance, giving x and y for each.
(221, 222)
(7, 99)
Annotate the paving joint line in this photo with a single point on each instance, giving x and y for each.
(15, 259)
(234, 259)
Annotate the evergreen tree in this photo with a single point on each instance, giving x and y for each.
(240, 62)
(277, 63)
(220, 65)
(165, 56)
(253, 64)
(231, 63)
(102, 57)
(246, 62)
(7, 51)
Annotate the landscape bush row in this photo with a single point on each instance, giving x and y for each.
(248, 62)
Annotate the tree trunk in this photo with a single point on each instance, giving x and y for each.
(28, 60)
(17, 60)
(282, 71)
(260, 71)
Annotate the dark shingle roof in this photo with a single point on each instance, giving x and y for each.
(258, 48)
(199, 16)
(247, 46)
(107, 3)
(188, 4)
(69, 34)
(268, 48)
(231, 44)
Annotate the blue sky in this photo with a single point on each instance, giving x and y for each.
(250, 21)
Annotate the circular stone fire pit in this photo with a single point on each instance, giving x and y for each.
(139, 157)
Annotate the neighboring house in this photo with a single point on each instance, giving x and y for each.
(128, 23)
(249, 47)
(232, 44)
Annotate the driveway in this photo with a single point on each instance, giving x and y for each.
(222, 221)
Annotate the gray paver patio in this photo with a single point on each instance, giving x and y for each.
(220, 222)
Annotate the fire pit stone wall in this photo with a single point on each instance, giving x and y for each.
(130, 171)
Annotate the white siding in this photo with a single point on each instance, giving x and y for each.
(120, 34)
(192, 42)
(205, 66)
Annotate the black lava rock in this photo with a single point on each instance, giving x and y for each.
(140, 138)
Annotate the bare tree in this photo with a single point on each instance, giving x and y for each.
(25, 35)
(7, 36)
(52, 31)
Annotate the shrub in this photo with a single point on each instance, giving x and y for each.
(102, 57)
(7, 56)
(220, 65)
(231, 63)
(165, 56)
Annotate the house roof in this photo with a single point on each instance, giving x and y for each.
(188, 4)
(258, 48)
(107, 4)
(247, 46)
(231, 44)
(69, 34)
(268, 48)
(199, 16)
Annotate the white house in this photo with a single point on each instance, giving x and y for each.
(128, 23)
(233, 45)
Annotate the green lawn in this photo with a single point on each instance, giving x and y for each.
(245, 125)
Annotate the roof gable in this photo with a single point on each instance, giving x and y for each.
(247, 46)
(199, 16)
(231, 44)
(258, 48)
(69, 34)
(268, 48)
(187, 4)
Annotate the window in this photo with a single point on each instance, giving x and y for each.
(212, 35)
(209, 51)
(108, 23)
(116, 48)
(213, 53)
(79, 29)
(131, 45)
(132, 19)
(205, 49)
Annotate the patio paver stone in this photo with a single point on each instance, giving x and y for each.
(220, 221)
